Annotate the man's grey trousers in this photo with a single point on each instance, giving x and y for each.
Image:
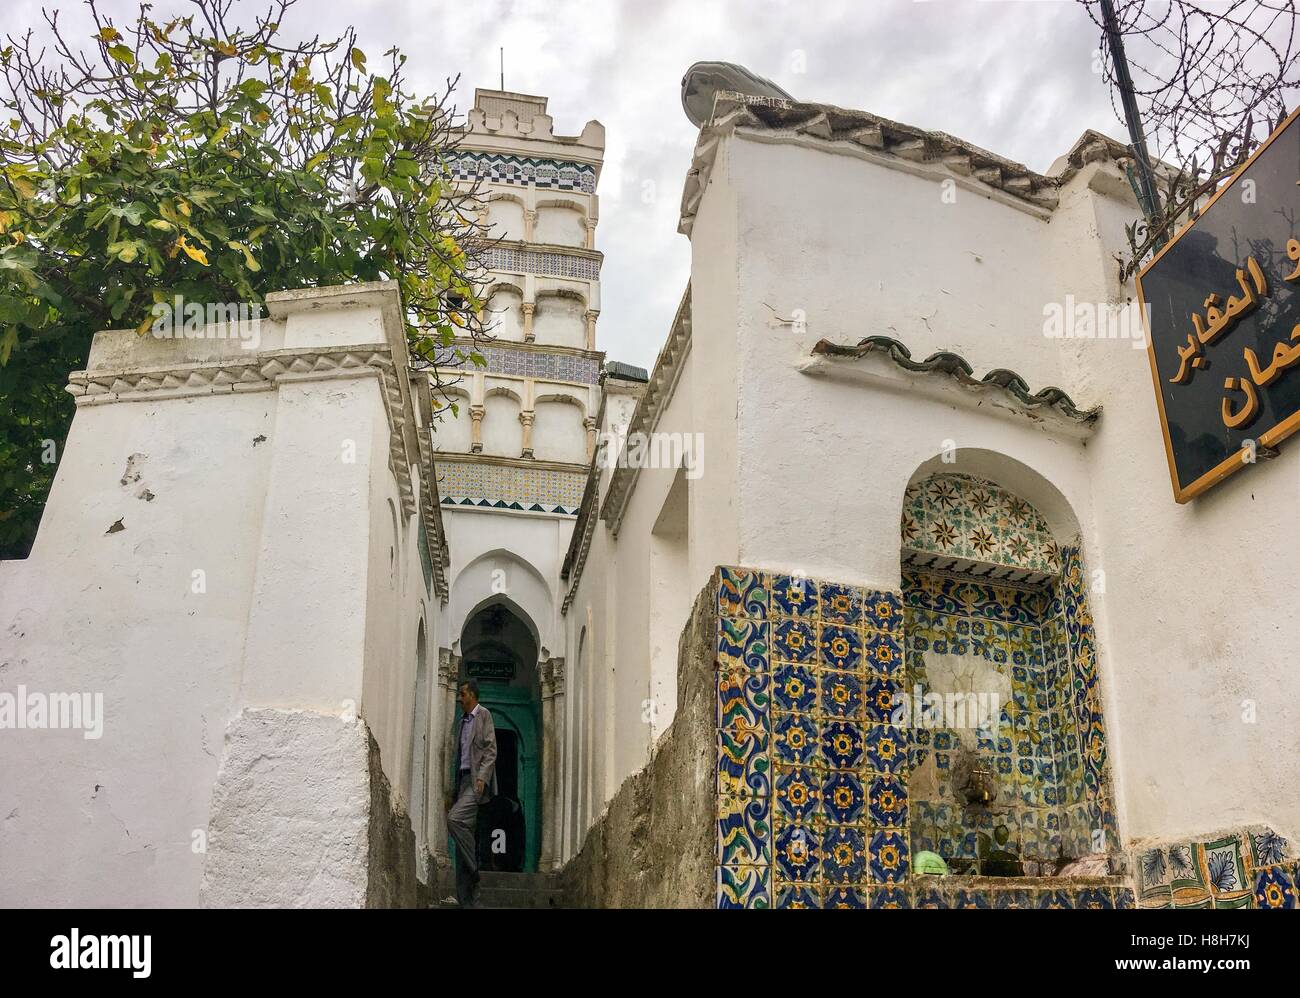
(462, 822)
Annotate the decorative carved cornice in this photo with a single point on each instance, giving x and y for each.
(658, 393)
(823, 124)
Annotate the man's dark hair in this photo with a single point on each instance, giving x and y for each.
(471, 685)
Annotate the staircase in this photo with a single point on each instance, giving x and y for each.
(511, 890)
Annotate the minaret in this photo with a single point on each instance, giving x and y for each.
(526, 429)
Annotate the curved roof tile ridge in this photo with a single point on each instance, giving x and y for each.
(957, 367)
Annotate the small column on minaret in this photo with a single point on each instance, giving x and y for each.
(591, 232)
(526, 418)
(590, 424)
(476, 429)
(528, 309)
(530, 224)
(590, 317)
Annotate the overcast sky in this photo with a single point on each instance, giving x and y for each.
(1013, 76)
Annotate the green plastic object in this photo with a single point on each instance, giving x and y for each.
(930, 862)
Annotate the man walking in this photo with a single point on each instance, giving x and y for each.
(476, 784)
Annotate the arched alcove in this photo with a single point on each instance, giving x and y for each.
(453, 430)
(559, 320)
(558, 433)
(506, 217)
(502, 433)
(1008, 772)
(560, 223)
(505, 313)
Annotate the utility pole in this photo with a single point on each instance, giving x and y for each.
(502, 50)
(1146, 182)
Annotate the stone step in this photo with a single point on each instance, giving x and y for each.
(511, 890)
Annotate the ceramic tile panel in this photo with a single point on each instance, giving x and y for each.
(959, 516)
(1248, 868)
(811, 773)
(547, 174)
(529, 261)
(467, 483)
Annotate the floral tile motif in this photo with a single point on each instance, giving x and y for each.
(744, 834)
(798, 896)
(794, 596)
(883, 698)
(964, 517)
(742, 644)
(742, 700)
(843, 797)
(1054, 899)
(841, 604)
(1013, 899)
(888, 802)
(742, 593)
(1153, 868)
(889, 857)
(846, 897)
(842, 744)
(798, 793)
(794, 641)
(794, 687)
(1267, 848)
(883, 653)
(1184, 863)
(795, 739)
(1225, 873)
(743, 887)
(1274, 888)
(840, 646)
(890, 897)
(844, 855)
(971, 899)
(887, 748)
(882, 610)
(798, 853)
(840, 695)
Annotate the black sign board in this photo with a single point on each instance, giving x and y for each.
(1222, 302)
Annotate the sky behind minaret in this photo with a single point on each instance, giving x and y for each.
(1017, 77)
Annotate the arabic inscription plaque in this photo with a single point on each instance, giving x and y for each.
(1223, 306)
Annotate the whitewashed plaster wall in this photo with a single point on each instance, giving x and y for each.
(515, 555)
(290, 613)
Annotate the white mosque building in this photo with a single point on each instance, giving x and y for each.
(712, 606)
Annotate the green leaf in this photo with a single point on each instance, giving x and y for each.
(122, 54)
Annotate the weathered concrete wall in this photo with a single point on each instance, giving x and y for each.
(654, 846)
(392, 880)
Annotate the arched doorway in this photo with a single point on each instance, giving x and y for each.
(499, 649)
